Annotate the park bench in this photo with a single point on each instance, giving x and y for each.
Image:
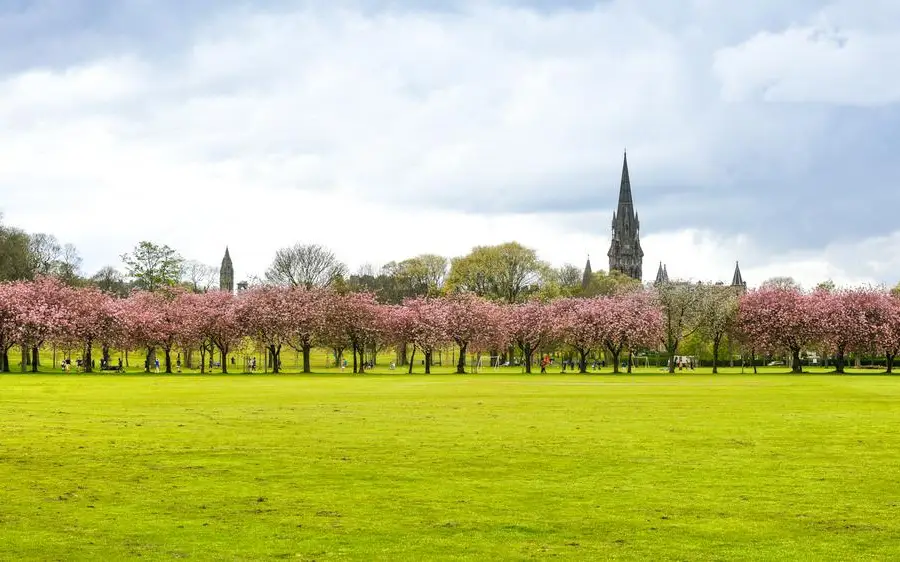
(115, 368)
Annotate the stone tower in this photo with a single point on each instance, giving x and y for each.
(625, 253)
(226, 273)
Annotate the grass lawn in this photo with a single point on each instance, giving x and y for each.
(493, 466)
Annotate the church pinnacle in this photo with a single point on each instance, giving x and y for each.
(625, 252)
(226, 273)
(738, 280)
(587, 275)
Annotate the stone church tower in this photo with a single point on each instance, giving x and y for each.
(226, 273)
(625, 253)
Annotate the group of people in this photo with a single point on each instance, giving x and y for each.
(546, 361)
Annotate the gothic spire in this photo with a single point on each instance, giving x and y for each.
(625, 202)
(625, 253)
(662, 276)
(226, 273)
(737, 280)
(588, 274)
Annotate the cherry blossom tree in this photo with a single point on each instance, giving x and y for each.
(581, 324)
(849, 319)
(887, 332)
(306, 310)
(777, 317)
(352, 319)
(632, 321)
(219, 322)
(468, 319)
(425, 324)
(94, 317)
(38, 314)
(7, 325)
(531, 326)
(265, 313)
(158, 319)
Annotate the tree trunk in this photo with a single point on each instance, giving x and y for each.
(428, 362)
(88, 357)
(24, 358)
(716, 342)
(168, 352)
(149, 359)
(672, 349)
(753, 360)
(795, 360)
(202, 359)
(306, 348)
(582, 364)
(401, 355)
(412, 360)
(362, 359)
(461, 364)
(355, 366)
(630, 361)
(889, 357)
(275, 351)
(104, 351)
(35, 359)
(615, 358)
(223, 356)
(4, 357)
(839, 363)
(528, 352)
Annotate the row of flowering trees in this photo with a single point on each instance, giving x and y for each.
(36, 313)
(861, 320)
(768, 320)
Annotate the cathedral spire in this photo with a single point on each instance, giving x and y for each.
(587, 275)
(737, 280)
(226, 273)
(625, 253)
(625, 202)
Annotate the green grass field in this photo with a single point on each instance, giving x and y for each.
(400, 467)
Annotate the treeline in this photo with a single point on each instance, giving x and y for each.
(771, 319)
(516, 304)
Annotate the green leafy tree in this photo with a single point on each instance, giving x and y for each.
(609, 284)
(507, 272)
(152, 266)
(15, 255)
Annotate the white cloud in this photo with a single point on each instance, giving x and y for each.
(813, 64)
(395, 133)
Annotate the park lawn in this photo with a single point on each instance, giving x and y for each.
(399, 467)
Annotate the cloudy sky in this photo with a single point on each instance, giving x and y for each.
(765, 132)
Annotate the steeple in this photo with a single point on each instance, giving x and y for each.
(662, 276)
(625, 187)
(588, 274)
(226, 273)
(738, 280)
(625, 253)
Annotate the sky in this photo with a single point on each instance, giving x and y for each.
(764, 132)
